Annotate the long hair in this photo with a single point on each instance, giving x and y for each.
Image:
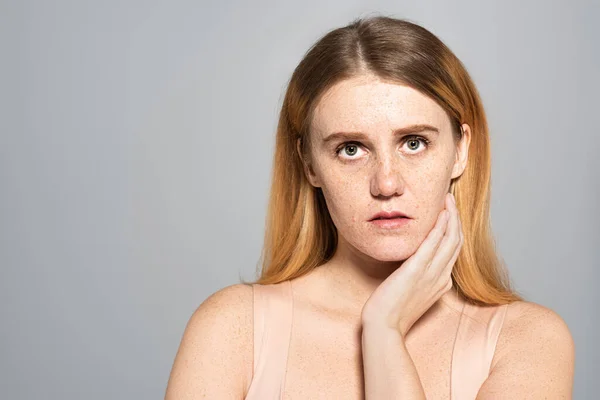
(299, 232)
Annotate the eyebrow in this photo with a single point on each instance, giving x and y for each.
(400, 131)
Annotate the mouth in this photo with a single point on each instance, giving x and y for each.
(390, 223)
(388, 215)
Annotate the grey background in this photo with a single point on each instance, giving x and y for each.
(135, 153)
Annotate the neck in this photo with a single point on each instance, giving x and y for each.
(351, 277)
(355, 276)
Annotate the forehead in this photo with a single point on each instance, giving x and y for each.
(365, 103)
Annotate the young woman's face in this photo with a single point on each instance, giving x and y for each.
(393, 150)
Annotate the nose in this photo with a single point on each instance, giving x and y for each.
(387, 178)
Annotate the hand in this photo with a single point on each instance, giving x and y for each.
(403, 297)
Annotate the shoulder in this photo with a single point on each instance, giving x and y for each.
(531, 325)
(534, 355)
(215, 355)
(226, 306)
(225, 317)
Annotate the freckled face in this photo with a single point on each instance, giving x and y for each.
(384, 170)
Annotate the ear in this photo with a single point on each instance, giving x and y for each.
(462, 152)
(308, 170)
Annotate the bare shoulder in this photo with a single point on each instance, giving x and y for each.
(529, 324)
(535, 355)
(216, 350)
(232, 305)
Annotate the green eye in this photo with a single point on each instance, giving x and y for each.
(413, 144)
(415, 141)
(353, 150)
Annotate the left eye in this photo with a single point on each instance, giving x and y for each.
(414, 142)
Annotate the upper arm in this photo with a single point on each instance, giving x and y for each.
(216, 349)
(534, 358)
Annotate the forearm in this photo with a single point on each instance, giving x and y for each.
(389, 370)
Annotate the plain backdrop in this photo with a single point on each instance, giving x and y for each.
(136, 142)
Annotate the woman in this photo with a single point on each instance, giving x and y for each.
(380, 279)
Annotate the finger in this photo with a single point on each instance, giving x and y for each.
(460, 229)
(450, 266)
(451, 239)
(461, 235)
(461, 241)
(426, 250)
(453, 224)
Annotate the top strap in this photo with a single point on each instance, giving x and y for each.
(272, 332)
(476, 339)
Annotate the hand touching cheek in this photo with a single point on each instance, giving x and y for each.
(401, 299)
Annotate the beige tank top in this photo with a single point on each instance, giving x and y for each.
(478, 331)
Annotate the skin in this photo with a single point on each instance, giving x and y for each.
(381, 172)
(403, 271)
(396, 305)
(377, 320)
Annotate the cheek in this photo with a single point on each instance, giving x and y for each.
(431, 184)
(343, 201)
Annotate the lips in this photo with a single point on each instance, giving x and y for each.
(388, 215)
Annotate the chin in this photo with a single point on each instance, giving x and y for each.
(391, 256)
(390, 250)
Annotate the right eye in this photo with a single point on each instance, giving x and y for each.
(349, 148)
